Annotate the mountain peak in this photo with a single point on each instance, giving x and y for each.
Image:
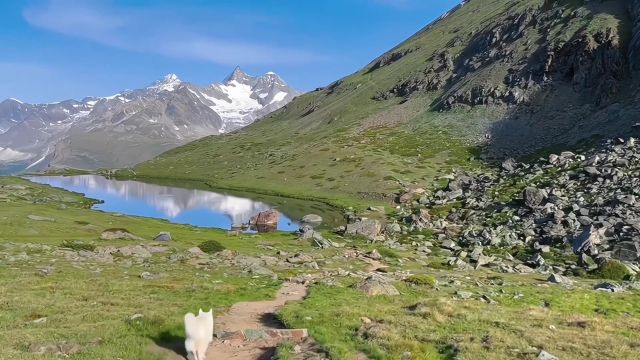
(170, 78)
(238, 75)
(16, 100)
(168, 83)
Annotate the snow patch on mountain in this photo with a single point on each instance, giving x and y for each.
(238, 102)
(279, 96)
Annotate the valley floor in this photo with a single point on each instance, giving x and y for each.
(65, 292)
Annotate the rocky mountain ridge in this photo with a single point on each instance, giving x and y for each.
(134, 125)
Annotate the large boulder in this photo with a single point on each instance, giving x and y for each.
(163, 236)
(587, 241)
(376, 285)
(312, 219)
(370, 228)
(626, 251)
(265, 221)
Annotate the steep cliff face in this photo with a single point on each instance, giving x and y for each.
(512, 60)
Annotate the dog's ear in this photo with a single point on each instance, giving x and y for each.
(200, 312)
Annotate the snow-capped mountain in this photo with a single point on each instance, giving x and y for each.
(134, 125)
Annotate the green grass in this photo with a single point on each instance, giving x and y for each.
(92, 304)
(89, 303)
(432, 325)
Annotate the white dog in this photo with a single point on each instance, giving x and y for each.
(199, 331)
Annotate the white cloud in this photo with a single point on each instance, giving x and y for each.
(160, 31)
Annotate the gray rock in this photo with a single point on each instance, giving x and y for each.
(609, 287)
(464, 295)
(256, 269)
(559, 279)
(45, 271)
(367, 227)
(591, 171)
(586, 242)
(509, 165)
(300, 258)
(163, 236)
(524, 269)
(536, 260)
(533, 197)
(374, 255)
(135, 251)
(119, 234)
(543, 355)
(452, 195)
(626, 251)
(376, 285)
(146, 275)
(627, 199)
(308, 233)
(392, 228)
(483, 260)
(40, 218)
(312, 219)
(450, 244)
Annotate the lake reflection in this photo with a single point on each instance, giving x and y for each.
(178, 205)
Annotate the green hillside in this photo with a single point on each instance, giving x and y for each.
(482, 82)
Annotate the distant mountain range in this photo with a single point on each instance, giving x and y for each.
(134, 125)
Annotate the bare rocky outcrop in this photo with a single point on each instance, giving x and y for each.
(592, 62)
(585, 205)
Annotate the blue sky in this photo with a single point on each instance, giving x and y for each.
(52, 50)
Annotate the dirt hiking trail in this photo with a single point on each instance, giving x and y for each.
(254, 315)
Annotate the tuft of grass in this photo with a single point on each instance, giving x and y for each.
(285, 351)
(211, 247)
(422, 280)
(388, 253)
(77, 245)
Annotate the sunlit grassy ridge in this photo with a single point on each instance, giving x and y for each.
(344, 142)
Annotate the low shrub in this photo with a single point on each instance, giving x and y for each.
(77, 245)
(422, 280)
(612, 270)
(211, 247)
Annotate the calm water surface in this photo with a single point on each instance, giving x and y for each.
(178, 205)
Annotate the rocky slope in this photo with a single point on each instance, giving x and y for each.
(488, 80)
(135, 125)
(563, 213)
